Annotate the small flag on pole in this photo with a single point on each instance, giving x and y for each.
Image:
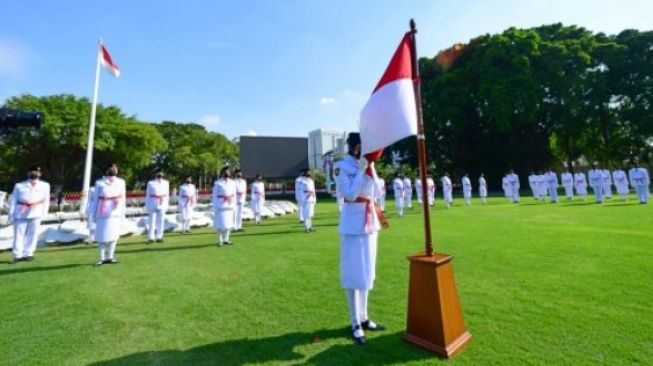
(390, 114)
(108, 63)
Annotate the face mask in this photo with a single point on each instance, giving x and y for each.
(239, 176)
(188, 182)
(33, 176)
(159, 176)
(112, 172)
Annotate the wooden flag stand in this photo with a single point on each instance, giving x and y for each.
(435, 319)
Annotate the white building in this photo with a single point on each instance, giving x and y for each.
(323, 140)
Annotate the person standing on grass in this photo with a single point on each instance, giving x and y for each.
(482, 189)
(398, 187)
(430, 187)
(552, 185)
(186, 202)
(299, 196)
(381, 193)
(580, 183)
(308, 200)
(505, 184)
(467, 189)
(358, 227)
(447, 190)
(621, 183)
(224, 201)
(157, 196)
(108, 212)
(408, 192)
(607, 183)
(595, 177)
(30, 202)
(541, 185)
(567, 180)
(418, 189)
(513, 180)
(640, 181)
(258, 198)
(532, 182)
(241, 197)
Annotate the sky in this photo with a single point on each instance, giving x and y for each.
(267, 67)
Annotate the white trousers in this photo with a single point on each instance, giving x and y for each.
(642, 193)
(308, 209)
(382, 202)
(300, 212)
(223, 235)
(238, 224)
(598, 193)
(107, 250)
(155, 224)
(399, 203)
(25, 237)
(569, 191)
(553, 194)
(408, 199)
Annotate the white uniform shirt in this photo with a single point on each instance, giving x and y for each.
(552, 180)
(532, 182)
(30, 200)
(580, 181)
(224, 194)
(620, 180)
(482, 187)
(595, 177)
(408, 188)
(111, 197)
(353, 184)
(639, 177)
(258, 192)
(398, 187)
(513, 179)
(567, 179)
(187, 196)
(157, 195)
(241, 191)
(607, 179)
(430, 185)
(307, 190)
(467, 185)
(298, 189)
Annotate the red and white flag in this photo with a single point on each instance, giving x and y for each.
(108, 63)
(390, 114)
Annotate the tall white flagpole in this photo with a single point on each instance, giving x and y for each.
(91, 135)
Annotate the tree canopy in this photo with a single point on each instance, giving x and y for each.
(59, 147)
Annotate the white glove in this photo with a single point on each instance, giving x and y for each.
(362, 164)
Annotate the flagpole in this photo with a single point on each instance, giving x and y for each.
(91, 136)
(421, 146)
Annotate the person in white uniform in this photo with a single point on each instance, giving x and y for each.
(299, 196)
(467, 189)
(430, 186)
(640, 181)
(381, 195)
(513, 180)
(595, 177)
(258, 198)
(108, 213)
(532, 182)
(358, 228)
(621, 183)
(223, 198)
(447, 190)
(580, 183)
(482, 189)
(418, 189)
(90, 224)
(186, 202)
(505, 184)
(30, 202)
(408, 192)
(308, 200)
(541, 185)
(398, 188)
(552, 185)
(567, 180)
(157, 197)
(241, 198)
(607, 183)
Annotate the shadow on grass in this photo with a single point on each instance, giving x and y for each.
(17, 268)
(382, 350)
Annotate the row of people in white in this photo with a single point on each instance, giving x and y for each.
(601, 181)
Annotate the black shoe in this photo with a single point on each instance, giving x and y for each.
(361, 341)
(159, 240)
(99, 263)
(15, 260)
(150, 241)
(112, 261)
(376, 328)
(229, 243)
(220, 244)
(29, 259)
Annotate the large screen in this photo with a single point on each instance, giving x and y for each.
(273, 157)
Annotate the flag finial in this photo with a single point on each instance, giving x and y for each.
(413, 27)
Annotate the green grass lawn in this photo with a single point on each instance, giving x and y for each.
(539, 284)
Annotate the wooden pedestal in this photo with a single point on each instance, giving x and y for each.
(435, 319)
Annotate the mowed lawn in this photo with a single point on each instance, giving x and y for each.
(540, 284)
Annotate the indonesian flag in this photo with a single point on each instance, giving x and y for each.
(108, 63)
(390, 114)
